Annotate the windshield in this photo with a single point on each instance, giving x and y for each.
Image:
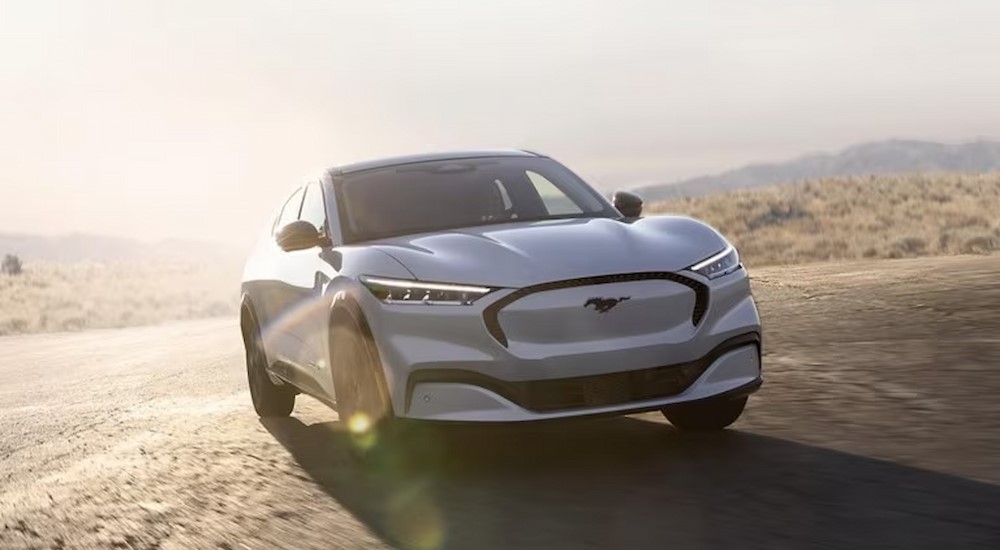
(434, 196)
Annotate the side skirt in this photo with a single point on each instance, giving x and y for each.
(296, 377)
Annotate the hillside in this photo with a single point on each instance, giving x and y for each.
(82, 247)
(51, 297)
(877, 158)
(82, 281)
(854, 217)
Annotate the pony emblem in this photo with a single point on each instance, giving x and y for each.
(604, 305)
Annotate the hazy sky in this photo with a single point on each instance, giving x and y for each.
(194, 118)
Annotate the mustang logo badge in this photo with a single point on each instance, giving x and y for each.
(604, 305)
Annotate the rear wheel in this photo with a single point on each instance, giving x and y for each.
(269, 399)
(708, 416)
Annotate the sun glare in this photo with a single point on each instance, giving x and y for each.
(359, 423)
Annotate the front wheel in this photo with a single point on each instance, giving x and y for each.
(362, 397)
(363, 401)
(707, 416)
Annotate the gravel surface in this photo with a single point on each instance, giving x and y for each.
(878, 427)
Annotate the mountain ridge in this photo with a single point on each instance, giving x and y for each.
(893, 156)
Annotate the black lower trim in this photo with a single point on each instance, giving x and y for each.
(492, 312)
(735, 393)
(598, 390)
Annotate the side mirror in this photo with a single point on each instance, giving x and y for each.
(629, 204)
(300, 235)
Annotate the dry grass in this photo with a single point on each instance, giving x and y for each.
(52, 297)
(860, 217)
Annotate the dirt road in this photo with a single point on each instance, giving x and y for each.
(879, 426)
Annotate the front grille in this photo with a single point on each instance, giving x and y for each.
(599, 390)
(492, 312)
(608, 389)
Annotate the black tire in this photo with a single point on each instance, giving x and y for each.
(362, 393)
(269, 399)
(708, 416)
(357, 375)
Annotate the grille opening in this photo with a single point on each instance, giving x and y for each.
(492, 313)
(610, 389)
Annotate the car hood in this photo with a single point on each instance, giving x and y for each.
(528, 253)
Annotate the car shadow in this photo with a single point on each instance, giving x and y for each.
(633, 483)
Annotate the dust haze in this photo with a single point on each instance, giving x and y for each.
(849, 150)
(188, 119)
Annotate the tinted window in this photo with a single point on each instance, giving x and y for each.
(432, 196)
(313, 208)
(289, 212)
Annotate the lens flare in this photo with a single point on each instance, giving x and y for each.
(414, 517)
(359, 423)
(276, 332)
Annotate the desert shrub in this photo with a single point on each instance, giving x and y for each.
(11, 265)
(982, 244)
(777, 214)
(15, 325)
(74, 323)
(907, 246)
(960, 220)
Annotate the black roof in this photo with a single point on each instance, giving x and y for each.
(428, 157)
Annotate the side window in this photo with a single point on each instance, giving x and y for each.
(313, 207)
(289, 212)
(556, 202)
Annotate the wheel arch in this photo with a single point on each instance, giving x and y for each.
(344, 306)
(248, 318)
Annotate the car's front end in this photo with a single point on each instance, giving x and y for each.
(520, 293)
(610, 342)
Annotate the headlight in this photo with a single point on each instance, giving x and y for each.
(719, 264)
(402, 291)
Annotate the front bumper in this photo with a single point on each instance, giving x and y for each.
(442, 363)
(731, 367)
